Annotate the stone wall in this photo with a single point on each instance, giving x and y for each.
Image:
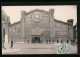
(43, 25)
(15, 32)
(5, 23)
(61, 31)
(47, 28)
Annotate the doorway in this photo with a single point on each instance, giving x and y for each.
(36, 40)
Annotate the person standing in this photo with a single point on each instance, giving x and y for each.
(28, 41)
(67, 41)
(52, 41)
(62, 41)
(57, 41)
(11, 43)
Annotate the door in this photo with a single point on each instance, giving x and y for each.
(36, 40)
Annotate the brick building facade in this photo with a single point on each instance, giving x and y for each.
(39, 26)
(5, 26)
(75, 33)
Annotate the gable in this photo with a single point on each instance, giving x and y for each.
(36, 10)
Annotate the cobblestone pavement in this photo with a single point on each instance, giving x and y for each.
(37, 49)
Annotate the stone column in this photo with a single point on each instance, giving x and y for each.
(7, 28)
(52, 23)
(23, 16)
(70, 29)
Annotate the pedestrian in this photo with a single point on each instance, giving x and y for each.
(52, 41)
(46, 41)
(61, 41)
(11, 43)
(71, 40)
(49, 41)
(57, 41)
(3, 44)
(67, 41)
(28, 41)
(76, 42)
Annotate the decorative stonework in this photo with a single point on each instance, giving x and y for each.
(36, 16)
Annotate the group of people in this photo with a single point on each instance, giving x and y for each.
(48, 42)
(72, 41)
(52, 41)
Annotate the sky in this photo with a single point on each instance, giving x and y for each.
(62, 12)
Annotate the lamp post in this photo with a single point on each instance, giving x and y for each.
(3, 42)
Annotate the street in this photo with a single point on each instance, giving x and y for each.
(24, 48)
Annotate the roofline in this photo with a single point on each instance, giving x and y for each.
(36, 10)
(15, 23)
(60, 21)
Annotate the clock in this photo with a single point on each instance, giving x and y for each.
(36, 16)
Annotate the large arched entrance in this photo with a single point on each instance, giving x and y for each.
(37, 35)
(36, 40)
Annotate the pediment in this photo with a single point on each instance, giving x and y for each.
(39, 10)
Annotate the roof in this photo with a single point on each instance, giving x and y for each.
(60, 21)
(54, 20)
(15, 23)
(36, 10)
(42, 11)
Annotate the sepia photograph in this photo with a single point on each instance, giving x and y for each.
(41, 29)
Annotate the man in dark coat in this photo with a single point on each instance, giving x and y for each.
(46, 41)
(57, 41)
(11, 43)
(52, 41)
(67, 41)
(62, 41)
(28, 41)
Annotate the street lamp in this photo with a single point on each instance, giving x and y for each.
(3, 43)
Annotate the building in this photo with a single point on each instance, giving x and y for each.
(75, 32)
(39, 26)
(5, 26)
